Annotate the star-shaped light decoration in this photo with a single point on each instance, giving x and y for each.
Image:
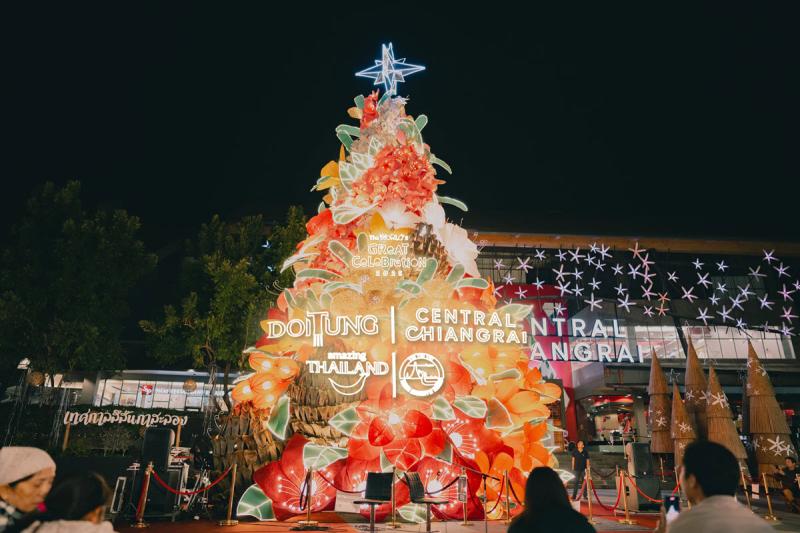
(561, 255)
(673, 276)
(626, 303)
(786, 293)
(593, 248)
(704, 316)
(786, 330)
(576, 255)
(736, 303)
(721, 266)
(646, 261)
(578, 274)
(663, 297)
(768, 256)
(521, 293)
(741, 324)
(756, 273)
(718, 399)
(498, 264)
(498, 290)
(662, 311)
(689, 396)
(684, 427)
(594, 302)
(634, 271)
(538, 283)
(765, 303)
(595, 284)
(797, 285)
(508, 278)
(560, 272)
(540, 255)
(523, 265)
(776, 445)
(558, 309)
(620, 289)
(781, 270)
(648, 311)
(788, 314)
(637, 252)
(725, 314)
(617, 269)
(661, 422)
(562, 288)
(687, 294)
(647, 293)
(722, 287)
(389, 71)
(714, 299)
(703, 280)
(746, 292)
(697, 264)
(577, 291)
(604, 251)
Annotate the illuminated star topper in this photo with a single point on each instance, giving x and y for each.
(389, 71)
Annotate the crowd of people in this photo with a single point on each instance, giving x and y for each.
(709, 477)
(30, 504)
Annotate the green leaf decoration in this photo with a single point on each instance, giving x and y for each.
(452, 201)
(321, 207)
(303, 253)
(336, 285)
(341, 252)
(346, 213)
(256, 504)
(409, 287)
(319, 273)
(348, 173)
(455, 274)
(412, 512)
(312, 301)
(279, 418)
(318, 183)
(386, 465)
(362, 241)
(480, 380)
(498, 416)
(290, 299)
(316, 457)
(517, 311)
(471, 406)
(447, 453)
(409, 127)
(383, 98)
(345, 139)
(353, 131)
(421, 122)
(345, 421)
(359, 100)
(475, 283)
(511, 373)
(362, 162)
(325, 300)
(442, 410)
(427, 273)
(375, 146)
(436, 161)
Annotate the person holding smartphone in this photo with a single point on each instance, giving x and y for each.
(580, 462)
(709, 477)
(787, 475)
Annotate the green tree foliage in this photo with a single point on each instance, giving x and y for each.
(65, 280)
(230, 276)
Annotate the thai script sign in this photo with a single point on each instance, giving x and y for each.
(119, 416)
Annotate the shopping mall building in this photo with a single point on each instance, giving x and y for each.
(602, 307)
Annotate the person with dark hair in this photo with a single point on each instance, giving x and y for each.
(580, 461)
(76, 505)
(547, 507)
(787, 476)
(26, 475)
(709, 477)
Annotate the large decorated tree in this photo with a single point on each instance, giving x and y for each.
(770, 432)
(721, 428)
(696, 390)
(660, 411)
(683, 431)
(381, 269)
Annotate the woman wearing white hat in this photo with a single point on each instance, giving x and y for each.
(26, 476)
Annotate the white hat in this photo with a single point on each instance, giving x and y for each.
(19, 462)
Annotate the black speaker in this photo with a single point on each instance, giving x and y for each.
(155, 447)
(640, 460)
(161, 503)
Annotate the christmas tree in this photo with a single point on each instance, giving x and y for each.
(768, 427)
(682, 426)
(721, 428)
(696, 390)
(381, 247)
(659, 411)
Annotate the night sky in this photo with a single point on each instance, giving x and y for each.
(632, 122)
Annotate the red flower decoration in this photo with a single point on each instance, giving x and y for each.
(370, 111)
(283, 481)
(469, 435)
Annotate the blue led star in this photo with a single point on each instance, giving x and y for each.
(389, 71)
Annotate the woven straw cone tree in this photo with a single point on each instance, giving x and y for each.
(660, 411)
(682, 427)
(721, 428)
(696, 391)
(768, 427)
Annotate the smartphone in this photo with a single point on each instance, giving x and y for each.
(672, 504)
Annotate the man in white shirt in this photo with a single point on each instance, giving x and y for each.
(710, 476)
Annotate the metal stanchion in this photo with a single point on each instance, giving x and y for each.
(140, 523)
(463, 493)
(769, 516)
(228, 521)
(394, 524)
(589, 486)
(624, 488)
(308, 523)
(508, 498)
(661, 461)
(744, 487)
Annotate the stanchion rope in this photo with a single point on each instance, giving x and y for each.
(675, 490)
(189, 492)
(329, 482)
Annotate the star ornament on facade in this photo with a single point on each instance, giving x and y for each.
(746, 292)
(540, 255)
(689, 395)
(564, 288)
(558, 309)
(725, 314)
(647, 293)
(703, 280)
(617, 269)
(704, 316)
(714, 299)
(648, 311)
(389, 71)
(620, 289)
(673, 276)
(768, 256)
(508, 278)
(697, 264)
(626, 303)
(576, 255)
(634, 271)
(604, 251)
(578, 274)
(595, 284)
(736, 303)
(561, 255)
(786, 330)
(577, 291)
(521, 293)
(756, 273)
(594, 303)
(722, 287)
(523, 265)
(560, 272)
(721, 266)
(539, 284)
(741, 324)
(637, 252)
(787, 314)
(498, 264)
(687, 294)
(781, 270)
(786, 293)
